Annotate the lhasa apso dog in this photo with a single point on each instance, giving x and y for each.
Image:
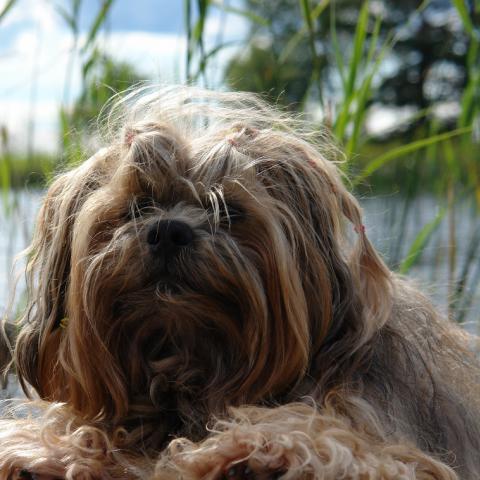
(207, 275)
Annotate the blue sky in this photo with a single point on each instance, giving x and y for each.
(147, 15)
(35, 47)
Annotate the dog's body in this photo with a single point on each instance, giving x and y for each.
(204, 261)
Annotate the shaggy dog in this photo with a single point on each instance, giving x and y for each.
(210, 263)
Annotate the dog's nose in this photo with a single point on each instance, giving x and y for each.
(169, 235)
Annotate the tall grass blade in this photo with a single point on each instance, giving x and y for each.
(207, 56)
(361, 94)
(420, 242)
(97, 24)
(92, 60)
(242, 13)
(202, 6)
(317, 64)
(465, 17)
(452, 241)
(355, 60)
(295, 40)
(187, 6)
(5, 170)
(469, 295)
(307, 16)
(462, 280)
(365, 91)
(196, 38)
(336, 47)
(6, 8)
(70, 18)
(403, 150)
(5, 175)
(65, 132)
(358, 46)
(471, 96)
(399, 222)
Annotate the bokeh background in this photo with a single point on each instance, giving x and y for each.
(397, 83)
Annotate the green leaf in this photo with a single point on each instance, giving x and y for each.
(6, 8)
(421, 240)
(358, 46)
(365, 90)
(470, 101)
(98, 22)
(4, 173)
(397, 152)
(195, 34)
(374, 40)
(465, 17)
(65, 131)
(5, 168)
(307, 15)
(202, 6)
(349, 92)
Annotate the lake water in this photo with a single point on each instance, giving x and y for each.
(390, 225)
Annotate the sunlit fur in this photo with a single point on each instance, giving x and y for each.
(293, 441)
(279, 296)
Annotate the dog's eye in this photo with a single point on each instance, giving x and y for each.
(235, 213)
(139, 207)
(228, 214)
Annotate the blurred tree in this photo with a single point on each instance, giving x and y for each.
(260, 71)
(102, 78)
(426, 66)
(261, 68)
(429, 55)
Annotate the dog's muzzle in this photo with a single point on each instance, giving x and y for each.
(168, 237)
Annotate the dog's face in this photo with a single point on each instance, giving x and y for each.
(197, 269)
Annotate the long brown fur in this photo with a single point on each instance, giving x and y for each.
(278, 297)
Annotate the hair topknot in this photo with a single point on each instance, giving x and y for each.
(197, 112)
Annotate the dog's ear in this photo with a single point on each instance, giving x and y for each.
(372, 277)
(343, 276)
(38, 344)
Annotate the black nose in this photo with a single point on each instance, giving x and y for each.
(169, 235)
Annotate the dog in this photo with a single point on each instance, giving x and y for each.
(209, 263)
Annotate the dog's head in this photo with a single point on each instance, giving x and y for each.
(202, 260)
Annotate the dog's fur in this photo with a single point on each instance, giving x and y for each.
(292, 441)
(277, 296)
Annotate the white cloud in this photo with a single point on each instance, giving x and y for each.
(231, 27)
(35, 12)
(39, 68)
(158, 56)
